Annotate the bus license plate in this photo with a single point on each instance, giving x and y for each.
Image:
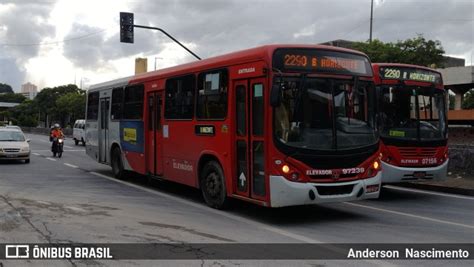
(419, 175)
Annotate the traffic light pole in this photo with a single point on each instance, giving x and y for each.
(167, 34)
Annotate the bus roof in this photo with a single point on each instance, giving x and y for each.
(238, 57)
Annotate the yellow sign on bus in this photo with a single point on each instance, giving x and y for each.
(130, 135)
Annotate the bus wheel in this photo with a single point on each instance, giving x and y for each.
(213, 185)
(117, 164)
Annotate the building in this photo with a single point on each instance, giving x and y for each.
(30, 95)
(450, 62)
(141, 65)
(459, 80)
(29, 87)
(29, 90)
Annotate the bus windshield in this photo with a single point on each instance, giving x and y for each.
(325, 114)
(413, 113)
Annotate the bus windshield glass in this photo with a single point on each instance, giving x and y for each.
(413, 113)
(325, 114)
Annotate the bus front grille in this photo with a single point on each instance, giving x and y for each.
(413, 152)
(335, 190)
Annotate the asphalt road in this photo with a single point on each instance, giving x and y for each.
(75, 200)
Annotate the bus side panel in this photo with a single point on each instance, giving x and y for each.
(183, 147)
(114, 137)
(92, 139)
(180, 151)
(132, 143)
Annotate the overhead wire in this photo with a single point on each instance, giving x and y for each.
(56, 42)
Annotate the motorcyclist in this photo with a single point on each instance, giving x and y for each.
(56, 134)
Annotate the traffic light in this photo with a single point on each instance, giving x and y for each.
(126, 27)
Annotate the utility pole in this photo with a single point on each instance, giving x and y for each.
(156, 59)
(371, 19)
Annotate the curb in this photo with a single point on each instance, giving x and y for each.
(440, 188)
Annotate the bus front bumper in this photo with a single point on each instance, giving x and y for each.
(286, 193)
(395, 174)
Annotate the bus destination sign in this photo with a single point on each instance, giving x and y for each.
(411, 74)
(311, 60)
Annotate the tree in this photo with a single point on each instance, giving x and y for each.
(24, 114)
(46, 102)
(452, 99)
(71, 106)
(5, 88)
(12, 98)
(468, 102)
(417, 51)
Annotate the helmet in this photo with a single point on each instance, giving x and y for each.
(56, 125)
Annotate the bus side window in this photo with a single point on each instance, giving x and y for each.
(117, 99)
(93, 106)
(133, 103)
(179, 99)
(212, 95)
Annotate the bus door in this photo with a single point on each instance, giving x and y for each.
(154, 139)
(249, 179)
(104, 106)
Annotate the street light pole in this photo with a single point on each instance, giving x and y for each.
(371, 19)
(156, 59)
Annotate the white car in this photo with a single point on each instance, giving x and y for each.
(78, 132)
(13, 127)
(14, 145)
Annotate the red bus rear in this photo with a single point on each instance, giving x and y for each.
(276, 125)
(413, 122)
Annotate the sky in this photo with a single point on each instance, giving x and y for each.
(56, 42)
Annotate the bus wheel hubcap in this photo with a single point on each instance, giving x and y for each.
(213, 184)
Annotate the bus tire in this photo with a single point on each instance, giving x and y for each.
(117, 164)
(212, 185)
(76, 142)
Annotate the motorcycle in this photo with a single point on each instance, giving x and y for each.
(57, 148)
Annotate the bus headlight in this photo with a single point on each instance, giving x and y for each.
(373, 169)
(376, 165)
(285, 169)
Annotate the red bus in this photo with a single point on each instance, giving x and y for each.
(413, 122)
(276, 125)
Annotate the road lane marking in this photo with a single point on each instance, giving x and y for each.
(71, 165)
(50, 159)
(428, 192)
(68, 146)
(410, 215)
(230, 216)
(36, 154)
(43, 140)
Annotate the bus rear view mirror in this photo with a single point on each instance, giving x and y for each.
(275, 96)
